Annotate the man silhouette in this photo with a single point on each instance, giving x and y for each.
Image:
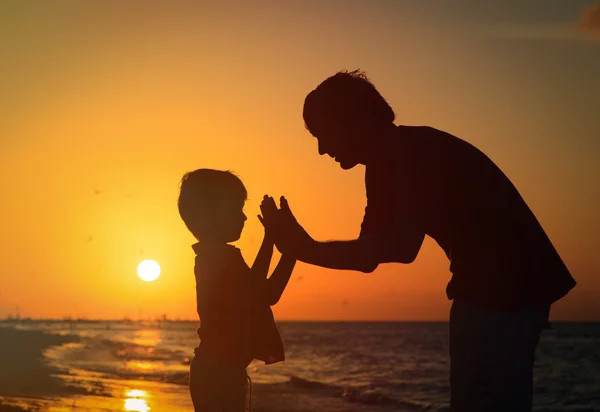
(422, 181)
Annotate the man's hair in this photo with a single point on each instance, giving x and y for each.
(348, 98)
(203, 192)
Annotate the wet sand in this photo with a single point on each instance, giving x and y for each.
(23, 371)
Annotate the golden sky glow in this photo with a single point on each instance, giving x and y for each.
(105, 106)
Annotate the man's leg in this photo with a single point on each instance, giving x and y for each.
(491, 358)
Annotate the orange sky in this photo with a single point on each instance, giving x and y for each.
(106, 106)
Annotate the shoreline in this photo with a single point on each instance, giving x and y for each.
(23, 371)
(21, 358)
(27, 380)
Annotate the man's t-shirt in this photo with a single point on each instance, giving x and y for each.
(500, 256)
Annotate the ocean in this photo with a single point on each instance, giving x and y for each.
(142, 366)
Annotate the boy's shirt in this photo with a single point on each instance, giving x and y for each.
(237, 323)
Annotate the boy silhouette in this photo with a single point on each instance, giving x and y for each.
(233, 301)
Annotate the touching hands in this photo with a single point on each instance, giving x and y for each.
(289, 236)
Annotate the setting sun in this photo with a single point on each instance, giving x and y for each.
(148, 270)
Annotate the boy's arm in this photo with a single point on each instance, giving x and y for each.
(260, 267)
(279, 278)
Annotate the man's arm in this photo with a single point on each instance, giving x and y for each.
(398, 243)
(365, 253)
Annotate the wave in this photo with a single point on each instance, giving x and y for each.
(125, 360)
(106, 349)
(409, 371)
(366, 395)
(116, 359)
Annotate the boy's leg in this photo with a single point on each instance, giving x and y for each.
(491, 358)
(204, 385)
(235, 390)
(217, 387)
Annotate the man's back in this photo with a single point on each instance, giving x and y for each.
(500, 255)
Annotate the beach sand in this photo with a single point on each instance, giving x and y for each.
(27, 379)
(23, 371)
(22, 368)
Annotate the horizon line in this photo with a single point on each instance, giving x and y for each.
(176, 320)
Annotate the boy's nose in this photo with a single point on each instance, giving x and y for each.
(245, 217)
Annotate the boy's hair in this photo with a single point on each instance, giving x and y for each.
(347, 97)
(203, 192)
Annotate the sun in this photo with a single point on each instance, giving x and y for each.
(148, 270)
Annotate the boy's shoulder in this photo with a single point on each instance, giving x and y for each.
(212, 249)
(217, 257)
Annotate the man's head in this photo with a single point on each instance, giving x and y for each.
(211, 204)
(345, 113)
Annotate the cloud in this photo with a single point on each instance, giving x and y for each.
(586, 28)
(589, 21)
(539, 31)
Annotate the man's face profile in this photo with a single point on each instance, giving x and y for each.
(342, 144)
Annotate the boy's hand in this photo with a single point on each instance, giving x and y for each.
(270, 215)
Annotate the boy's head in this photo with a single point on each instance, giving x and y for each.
(211, 204)
(344, 113)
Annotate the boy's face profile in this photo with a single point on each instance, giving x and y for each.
(211, 204)
(229, 220)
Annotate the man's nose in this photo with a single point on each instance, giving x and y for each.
(322, 149)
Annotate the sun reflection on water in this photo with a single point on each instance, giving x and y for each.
(135, 401)
(144, 366)
(147, 337)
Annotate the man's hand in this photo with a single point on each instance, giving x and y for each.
(290, 238)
